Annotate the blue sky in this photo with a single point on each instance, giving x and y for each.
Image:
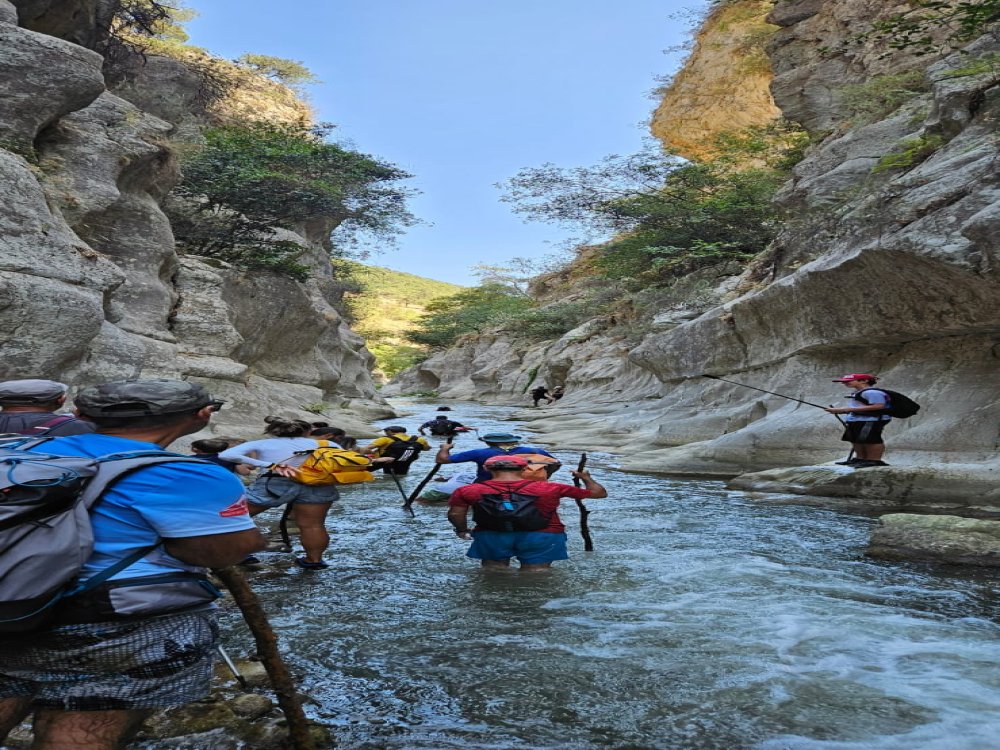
(463, 93)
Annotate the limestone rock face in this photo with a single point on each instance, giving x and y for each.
(723, 84)
(91, 286)
(65, 77)
(887, 263)
(947, 539)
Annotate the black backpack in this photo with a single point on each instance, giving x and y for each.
(899, 405)
(510, 509)
(443, 427)
(404, 451)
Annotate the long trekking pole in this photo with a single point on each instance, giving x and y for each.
(782, 395)
(588, 542)
(779, 395)
(267, 649)
(408, 505)
(232, 668)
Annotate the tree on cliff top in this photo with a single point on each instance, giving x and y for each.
(291, 73)
(251, 177)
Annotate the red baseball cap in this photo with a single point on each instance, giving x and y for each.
(518, 461)
(855, 376)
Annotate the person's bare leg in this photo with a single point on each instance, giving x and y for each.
(85, 730)
(535, 567)
(311, 520)
(496, 563)
(12, 713)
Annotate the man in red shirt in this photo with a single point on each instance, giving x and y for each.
(514, 516)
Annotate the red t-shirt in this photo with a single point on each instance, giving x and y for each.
(548, 494)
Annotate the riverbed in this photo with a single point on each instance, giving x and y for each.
(705, 619)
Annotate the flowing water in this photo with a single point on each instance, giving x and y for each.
(704, 620)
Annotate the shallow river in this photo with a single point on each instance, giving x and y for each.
(705, 619)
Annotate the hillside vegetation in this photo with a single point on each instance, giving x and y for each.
(386, 306)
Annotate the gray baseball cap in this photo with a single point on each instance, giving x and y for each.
(500, 437)
(30, 391)
(143, 398)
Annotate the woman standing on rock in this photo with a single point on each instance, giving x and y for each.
(865, 416)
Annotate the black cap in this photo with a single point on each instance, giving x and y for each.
(142, 398)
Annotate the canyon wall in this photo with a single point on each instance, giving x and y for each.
(92, 287)
(887, 263)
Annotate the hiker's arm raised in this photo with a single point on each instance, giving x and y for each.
(215, 550)
(597, 491)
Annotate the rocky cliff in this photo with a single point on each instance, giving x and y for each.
(886, 263)
(91, 285)
(724, 84)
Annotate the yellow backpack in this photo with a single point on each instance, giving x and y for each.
(327, 465)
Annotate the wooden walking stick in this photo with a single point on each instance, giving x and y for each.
(408, 505)
(267, 649)
(588, 542)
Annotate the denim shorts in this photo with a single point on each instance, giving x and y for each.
(155, 662)
(529, 547)
(275, 491)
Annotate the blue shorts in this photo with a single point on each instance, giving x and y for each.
(529, 547)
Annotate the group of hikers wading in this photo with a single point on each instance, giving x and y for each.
(91, 644)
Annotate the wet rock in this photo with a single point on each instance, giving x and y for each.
(946, 539)
(972, 490)
(253, 672)
(251, 705)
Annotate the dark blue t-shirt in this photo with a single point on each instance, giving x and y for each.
(481, 454)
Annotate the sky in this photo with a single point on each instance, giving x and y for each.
(464, 93)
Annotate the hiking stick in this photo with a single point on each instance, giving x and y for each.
(408, 505)
(588, 542)
(267, 649)
(401, 490)
(772, 393)
(283, 525)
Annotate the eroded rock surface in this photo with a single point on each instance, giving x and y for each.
(91, 285)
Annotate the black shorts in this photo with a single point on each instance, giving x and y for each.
(864, 433)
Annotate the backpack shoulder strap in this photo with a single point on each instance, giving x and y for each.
(115, 466)
(56, 421)
(110, 469)
(24, 443)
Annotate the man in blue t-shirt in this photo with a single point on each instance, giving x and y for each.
(498, 444)
(124, 648)
(864, 417)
